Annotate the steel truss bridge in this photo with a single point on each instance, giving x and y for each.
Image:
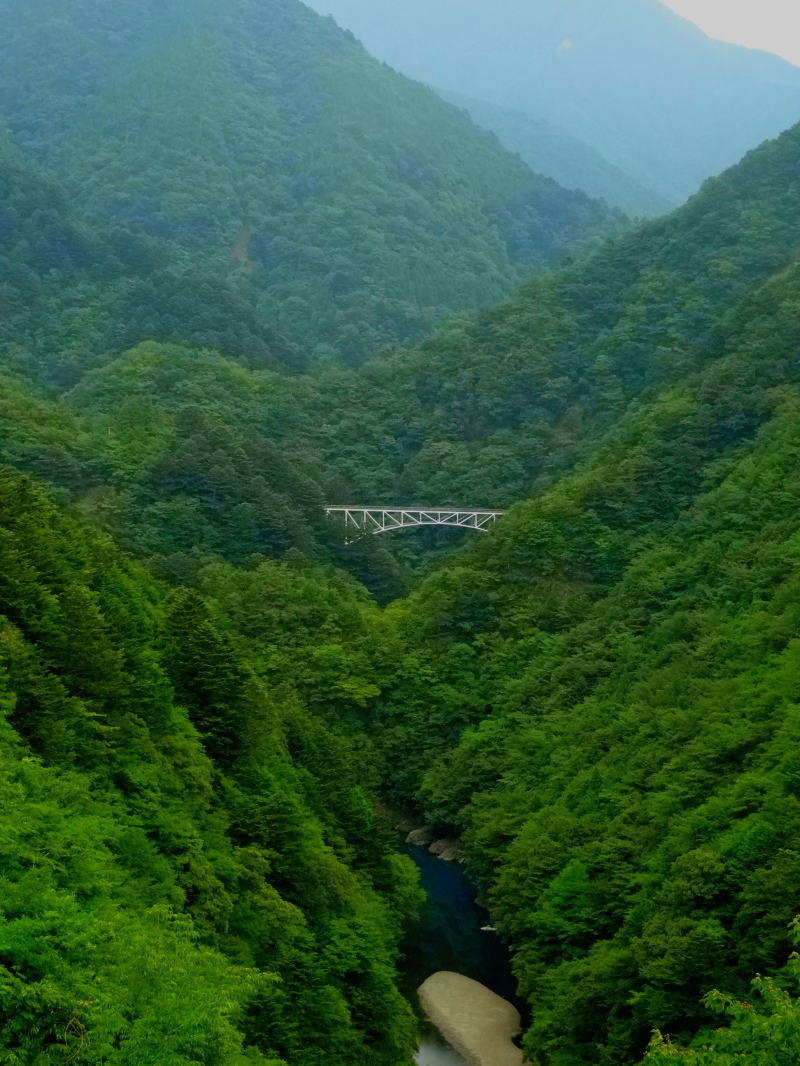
(359, 520)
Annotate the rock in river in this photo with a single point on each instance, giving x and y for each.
(477, 1023)
(447, 850)
(421, 837)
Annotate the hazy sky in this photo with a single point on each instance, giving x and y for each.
(773, 25)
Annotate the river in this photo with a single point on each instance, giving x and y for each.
(433, 1051)
(450, 937)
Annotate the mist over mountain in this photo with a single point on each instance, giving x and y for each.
(571, 162)
(643, 87)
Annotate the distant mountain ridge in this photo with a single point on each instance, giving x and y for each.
(645, 88)
(568, 160)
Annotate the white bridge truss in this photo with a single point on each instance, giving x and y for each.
(388, 519)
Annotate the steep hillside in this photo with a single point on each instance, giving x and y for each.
(191, 870)
(622, 656)
(492, 407)
(262, 149)
(644, 88)
(616, 668)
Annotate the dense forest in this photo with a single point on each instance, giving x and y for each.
(208, 696)
(192, 871)
(286, 182)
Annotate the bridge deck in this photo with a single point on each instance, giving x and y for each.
(415, 510)
(386, 519)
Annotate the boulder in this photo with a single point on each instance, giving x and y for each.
(476, 1022)
(447, 850)
(421, 837)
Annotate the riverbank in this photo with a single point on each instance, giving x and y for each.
(477, 1023)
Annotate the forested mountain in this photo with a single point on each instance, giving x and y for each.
(275, 167)
(494, 407)
(644, 88)
(482, 414)
(622, 653)
(202, 706)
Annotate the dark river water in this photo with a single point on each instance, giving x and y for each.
(450, 937)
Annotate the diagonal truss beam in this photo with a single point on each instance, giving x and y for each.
(388, 519)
